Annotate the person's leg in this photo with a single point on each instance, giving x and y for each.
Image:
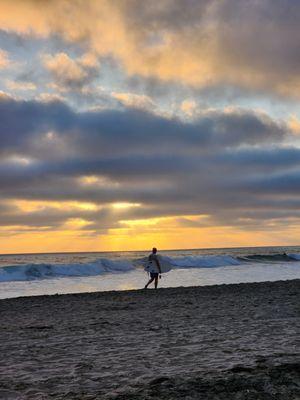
(156, 282)
(150, 280)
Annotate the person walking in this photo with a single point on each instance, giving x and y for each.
(154, 268)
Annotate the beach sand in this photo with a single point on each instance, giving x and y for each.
(216, 342)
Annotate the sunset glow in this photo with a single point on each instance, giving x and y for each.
(128, 124)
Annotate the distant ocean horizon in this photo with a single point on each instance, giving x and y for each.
(149, 250)
(73, 272)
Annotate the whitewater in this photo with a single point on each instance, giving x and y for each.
(58, 273)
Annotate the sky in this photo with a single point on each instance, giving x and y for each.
(128, 124)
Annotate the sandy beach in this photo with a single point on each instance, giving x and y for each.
(218, 342)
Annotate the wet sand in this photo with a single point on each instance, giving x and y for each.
(215, 342)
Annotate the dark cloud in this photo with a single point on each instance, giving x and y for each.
(46, 218)
(268, 34)
(52, 218)
(255, 45)
(114, 132)
(233, 166)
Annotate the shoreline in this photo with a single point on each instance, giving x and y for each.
(228, 341)
(151, 288)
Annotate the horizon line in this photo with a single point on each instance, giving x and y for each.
(145, 250)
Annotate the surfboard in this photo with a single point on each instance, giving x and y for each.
(165, 266)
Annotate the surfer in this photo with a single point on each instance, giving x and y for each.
(155, 269)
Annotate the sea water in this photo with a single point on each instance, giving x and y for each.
(57, 273)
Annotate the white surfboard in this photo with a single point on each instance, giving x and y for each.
(165, 266)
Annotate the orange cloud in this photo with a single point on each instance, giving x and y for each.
(294, 124)
(134, 100)
(188, 107)
(13, 85)
(197, 47)
(64, 68)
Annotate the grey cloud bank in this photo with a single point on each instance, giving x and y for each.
(231, 165)
(124, 131)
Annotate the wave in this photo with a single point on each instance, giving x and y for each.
(203, 261)
(294, 257)
(269, 257)
(210, 261)
(30, 272)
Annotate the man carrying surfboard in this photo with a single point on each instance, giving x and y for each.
(153, 268)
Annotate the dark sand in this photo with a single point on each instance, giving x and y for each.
(218, 342)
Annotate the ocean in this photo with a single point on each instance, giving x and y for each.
(58, 273)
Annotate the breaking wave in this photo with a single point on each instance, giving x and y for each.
(271, 258)
(29, 272)
(295, 257)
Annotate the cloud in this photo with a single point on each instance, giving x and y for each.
(133, 100)
(188, 107)
(50, 98)
(5, 96)
(23, 86)
(198, 43)
(294, 124)
(89, 60)
(4, 59)
(69, 72)
(226, 165)
(114, 133)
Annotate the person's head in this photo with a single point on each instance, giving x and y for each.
(154, 250)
